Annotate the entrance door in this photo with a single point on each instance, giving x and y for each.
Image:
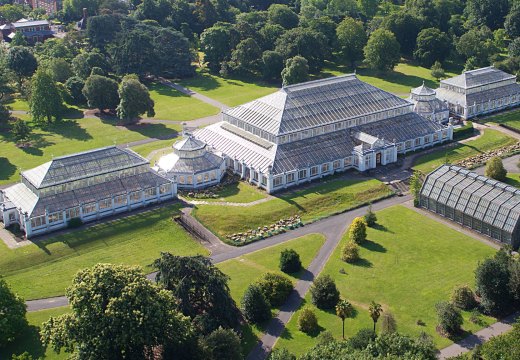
(378, 158)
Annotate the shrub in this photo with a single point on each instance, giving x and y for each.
(290, 261)
(450, 319)
(495, 169)
(388, 323)
(255, 306)
(492, 278)
(350, 252)
(463, 297)
(358, 230)
(275, 287)
(324, 293)
(370, 217)
(221, 344)
(362, 338)
(325, 337)
(74, 223)
(281, 354)
(307, 321)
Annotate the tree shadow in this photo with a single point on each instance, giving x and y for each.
(70, 129)
(398, 77)
(203, 81)
(28, 341)
(373, 246)
(72, 113)
(153, 131)
(6, 169)
(380, 227)
(34, 151)
(363, 263)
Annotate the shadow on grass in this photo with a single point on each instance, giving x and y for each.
(202, 81)
(397, 77)
(28, 341)
(70, 129)
(6, 168)
(155, 131)
(164, 90)
(373, 246)
(509, 180)
(380, 227)
(363, 263)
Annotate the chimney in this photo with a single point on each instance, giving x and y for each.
(85, 15)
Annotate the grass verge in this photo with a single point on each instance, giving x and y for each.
(239, 192)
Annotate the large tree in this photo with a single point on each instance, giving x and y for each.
(512, 22)
(134, 99)
(216, 42)
(272, 65)
(83, 63)
(247, 56)
(352, 38)
(172, 53)
(382, 50)
(102, 29)
(201, 289)
(304, 42)
(491, 13)
(477, 44)
(282, 15)
(101, 92)
(221, 344)
(22, 62)
(405, 26)
(45, 101)
(432, 45)
(296, 71)
(116, 313)
(12, 314)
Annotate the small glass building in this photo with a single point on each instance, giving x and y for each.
(477, 202)
(191, 165)
(426, 104)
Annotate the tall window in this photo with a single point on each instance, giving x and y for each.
(105, 204)
(277, 181)
(135, 196)
(165, 188)
(89, 208)
(150, 192)
(55, 217)
(302, 174)
(314, 171)
(324, 168)
(120, 200)
(72, 213)
(38, 221)
(290, 177)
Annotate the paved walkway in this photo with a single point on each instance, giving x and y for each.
(194, 94)
(227, 203)
(479, 337)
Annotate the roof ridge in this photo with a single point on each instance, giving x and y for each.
(84, 152)
(331, 79)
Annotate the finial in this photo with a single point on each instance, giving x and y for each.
(423, 83)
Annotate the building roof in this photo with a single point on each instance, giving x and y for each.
(82, 165)
(423, 90)
(189, 144)
(490, 201)
(480, 97)
(28, 23)
(478, 77)
(173, 164)
(315, 103)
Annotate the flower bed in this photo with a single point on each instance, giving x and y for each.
(266, 231)
(481, 159)
(211, 192)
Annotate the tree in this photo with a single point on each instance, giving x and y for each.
(437, 71)
(101, 92)
(450, 318)
(388, 323)
(172, 54)
(368, 7)
(221, 344)
(272, 65)
(216, 44)
(306, 43)
(477, 44)
(247, 55)
(405, 26)
(370, 217)
(505, 346)
(281, 354)
(512, 23)
(491, 13)
(382, 50)
(19, 39)
(495, 169)
(350, 252)
(296, 71)
(5, 115)
(344, 310)
(134, 99)
(514, 280)
(201, 289)
(357, 231)
(269, 34)
(73, 9)
(21, 131)
(432, 45)
(12, 315)
(45, 101)
(352, 38)
(255, 306)
(11, 13)
(116, 313)
(60, 70)
(22, 62)
(290, 261)
(307, 321)
(83, 63)
(282, 15)
(275, 287)
(463, 297)
(324, 293)
(415, 187)
(375, 311)
(361, 339)
(102, 29)
(492, 278)
(514, 48)
(74, 86)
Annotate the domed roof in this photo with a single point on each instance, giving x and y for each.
(189, 144)
(423, 90)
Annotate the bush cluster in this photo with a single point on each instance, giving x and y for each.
(275, 287)
(307, 321)
(324, 293)
(290, 261)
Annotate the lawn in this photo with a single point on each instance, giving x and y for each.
(248, 268)
(30, 341)
(513, 179)
(71, 136)
(400, 81)
(408, 264)
(229, 91)
(47, 268)
(162, 147)
(511, 118)
(18, 105)
(316, 201)
(239, 192)
(491, 139)
(171, 104)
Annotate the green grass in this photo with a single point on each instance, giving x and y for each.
(239, 192)
(513, 179)
(171, 104)
(400, 81)
(229, 91)
(47, 268)
(163, 147)
(70, 136)
(18, 105)
(511, 118)
(30, 341)
(408, 264)
(316, 201)
(248, 268)
(491, 139)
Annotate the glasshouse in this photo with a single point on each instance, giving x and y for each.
(426, 104)
(84, 186)
(306, 131)
(191, 165)
(482, 204)
(480, 91)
